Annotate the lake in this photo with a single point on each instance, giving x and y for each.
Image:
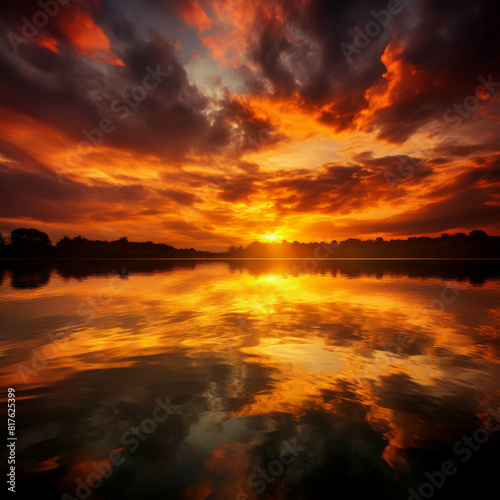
(239, 380)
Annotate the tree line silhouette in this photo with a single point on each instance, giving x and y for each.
(37, 273)
(36, 244)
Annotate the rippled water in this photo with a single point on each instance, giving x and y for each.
(239, 380)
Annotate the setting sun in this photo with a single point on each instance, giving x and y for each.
(270, 237)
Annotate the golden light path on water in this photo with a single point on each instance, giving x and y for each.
(323, 341)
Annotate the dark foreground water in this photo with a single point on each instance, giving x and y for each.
(241, 380)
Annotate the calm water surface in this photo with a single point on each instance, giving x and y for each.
(283, 380)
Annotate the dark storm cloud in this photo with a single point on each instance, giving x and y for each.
(398, 165)
(332, 188)
(36, 196)
(238, 189)
(342, 189)
(179, 196)
(254, 131)
(173, 120)
(192, 231)
(75, 93)
(451, 149)
(486, 174)
(470, 209)
(449, 43)
(452, 45)
(312, 63)
(467, 201)
(271, 43)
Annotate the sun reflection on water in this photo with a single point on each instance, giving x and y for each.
(240, 347)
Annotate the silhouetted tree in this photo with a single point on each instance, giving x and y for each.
(33, 243)
(477, 234)
(30, 278)
(29, 238)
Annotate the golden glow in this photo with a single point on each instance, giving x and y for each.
(276, 159)
(273, 318)
(270, 237)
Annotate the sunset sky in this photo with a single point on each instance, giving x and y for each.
(229, 121)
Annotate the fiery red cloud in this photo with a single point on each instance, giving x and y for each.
(88, 38)
(194, 16)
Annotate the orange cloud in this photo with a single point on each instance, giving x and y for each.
(401, 79)
(47, 42)
(88, 38)
(194, 16)
(232, 27)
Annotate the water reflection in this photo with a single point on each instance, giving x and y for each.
(349, 361)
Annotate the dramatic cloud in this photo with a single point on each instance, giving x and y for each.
(214, 122)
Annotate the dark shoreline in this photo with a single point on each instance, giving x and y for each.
(36, 272)
(319, 259)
